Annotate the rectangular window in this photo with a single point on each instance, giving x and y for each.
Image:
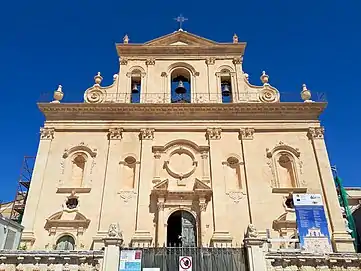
(10, 238)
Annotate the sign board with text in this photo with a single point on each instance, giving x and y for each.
(312, 223)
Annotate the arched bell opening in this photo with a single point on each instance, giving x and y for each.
(135, 84)
(181, 230)
(181, 86)
(226, 86)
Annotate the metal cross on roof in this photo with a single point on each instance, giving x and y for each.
(180, 19)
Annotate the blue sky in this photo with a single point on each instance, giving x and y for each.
(46, 43)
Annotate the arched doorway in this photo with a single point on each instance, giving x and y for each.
(181, 230)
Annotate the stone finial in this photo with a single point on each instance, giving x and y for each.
(235, 38)
(246, 75)
(114, 231)
(115, 77)
(126, 39)
(251, 231)
(264, 78)
(305, 94)
(98, 79)
(58, 94)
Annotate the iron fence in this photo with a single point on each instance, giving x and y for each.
(210, 259)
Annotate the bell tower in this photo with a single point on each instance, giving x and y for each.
(177, 68)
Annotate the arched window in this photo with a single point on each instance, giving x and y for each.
(226, 86)
(78, 168)
(286, 170)
(136, 85)
(180, 86)
(65, 242)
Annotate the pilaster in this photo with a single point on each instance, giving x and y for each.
(111, 178)
(161, 240)
(37, 181)
(144, 221)
(238, 88)
(221, 236)
(256, 247)
(213, 87)
(150, 76)
(341, 240)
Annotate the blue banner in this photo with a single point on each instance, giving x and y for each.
(312, 223)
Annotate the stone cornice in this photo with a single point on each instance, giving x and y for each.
(200, 111)
(189, 50)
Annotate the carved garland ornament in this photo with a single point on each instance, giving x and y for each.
(127, 195)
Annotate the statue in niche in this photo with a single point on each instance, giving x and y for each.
(286, 171)
(78, 167)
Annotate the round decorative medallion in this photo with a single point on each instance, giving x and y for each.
(181, 164)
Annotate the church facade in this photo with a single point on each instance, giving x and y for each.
(180, 150)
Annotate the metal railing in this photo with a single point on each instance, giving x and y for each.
(210, 259)
(242, 97)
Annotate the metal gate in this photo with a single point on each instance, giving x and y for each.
(204, 259)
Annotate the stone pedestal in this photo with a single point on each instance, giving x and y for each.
(256, 250)
(112, 253)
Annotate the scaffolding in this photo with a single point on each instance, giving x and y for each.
(26, 172)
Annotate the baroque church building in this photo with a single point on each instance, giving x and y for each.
(180, 150)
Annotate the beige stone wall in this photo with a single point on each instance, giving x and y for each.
(227, 211)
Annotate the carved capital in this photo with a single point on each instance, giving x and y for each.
(123, 60)
(316, 132)
(115, 133)
(160, 205)
(157, 155)
(213, 133)
(210, 60)
(146, 133)
(237, 60)
(163, 74)
(150, 61)
(47, 133)
(202, 206)
(246, 133)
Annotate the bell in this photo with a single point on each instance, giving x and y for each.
(180, 89)
(226, 91)
(135, 89)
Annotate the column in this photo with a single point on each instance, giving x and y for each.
(143, 236)
(37, 180)
(161, 223)
(342, 241)
(205, 167)
(111, 178)
(220, 235)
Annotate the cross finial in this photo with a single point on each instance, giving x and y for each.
(180, 19)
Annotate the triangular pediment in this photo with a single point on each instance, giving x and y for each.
(163, 185)
(199, 185)
(180, 38)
